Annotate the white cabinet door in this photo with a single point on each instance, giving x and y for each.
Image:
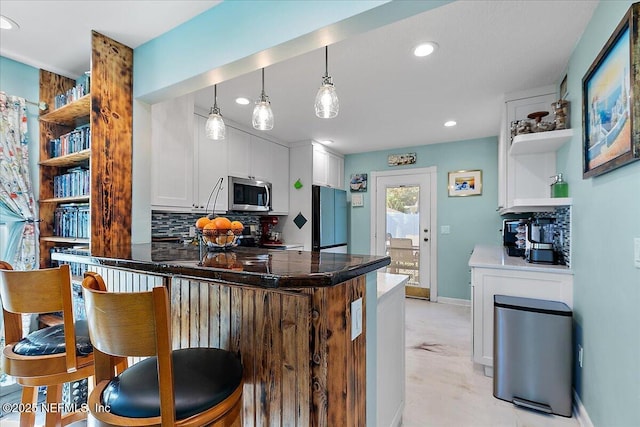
(172, 153)
(211, 165)
(280, 179)
(335, 171)
(328, 168)
(488, 282)
(239, 152)
(320, 166)
(261, 164)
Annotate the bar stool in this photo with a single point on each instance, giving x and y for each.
(185, 387)
(40, 358)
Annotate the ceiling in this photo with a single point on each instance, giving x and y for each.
(388, 97)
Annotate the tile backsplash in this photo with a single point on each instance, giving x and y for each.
(562, 216)
(177, 224)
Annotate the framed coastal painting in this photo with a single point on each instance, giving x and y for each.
(465, 183)
(610, 110)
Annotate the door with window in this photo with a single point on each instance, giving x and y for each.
(403, 223)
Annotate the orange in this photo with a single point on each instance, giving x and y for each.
(236, 226)
(222, 223)
(211, 225)
(201, 222)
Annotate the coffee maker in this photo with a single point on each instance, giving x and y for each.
(541, 236)
(514, 233)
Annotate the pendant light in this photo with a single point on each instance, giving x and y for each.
(215, 126)
(262, 114)
(327, 105)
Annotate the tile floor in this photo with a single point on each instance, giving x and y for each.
(443, 387)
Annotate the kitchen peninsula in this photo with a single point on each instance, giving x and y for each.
(287, 313)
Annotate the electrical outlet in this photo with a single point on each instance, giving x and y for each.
(580, 355)
(356, 318)
(192, 231)
(636, 252)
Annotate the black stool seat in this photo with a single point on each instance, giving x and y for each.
(203, 377)
(50, 340)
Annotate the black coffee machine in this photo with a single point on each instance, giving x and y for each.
(514, 233)
(541, 241)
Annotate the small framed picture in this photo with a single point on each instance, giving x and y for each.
(465, 183)
(358, 182)
(357, 201)
(401, 159)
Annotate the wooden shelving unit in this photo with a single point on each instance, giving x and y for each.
(108, 111)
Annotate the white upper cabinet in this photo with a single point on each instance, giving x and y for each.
(280, 179)
(211, 165)
(527, 163)
(328, 167)
(172, 153)
(186, 165)
(239, 153)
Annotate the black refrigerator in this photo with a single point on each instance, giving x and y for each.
(329, 218)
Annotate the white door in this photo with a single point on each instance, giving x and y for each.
(404, 219)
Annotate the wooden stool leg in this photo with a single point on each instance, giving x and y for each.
(53, 417)
(29, 399)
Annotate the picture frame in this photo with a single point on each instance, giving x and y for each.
(401, 159)
(358, 182)
(610, 107)
(465, 183)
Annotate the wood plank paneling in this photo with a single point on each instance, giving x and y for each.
(301, 367)
(253, 321)
(111, 146)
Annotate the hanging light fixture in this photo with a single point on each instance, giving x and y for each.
(327, 105)
(262, 114)
(215, 126)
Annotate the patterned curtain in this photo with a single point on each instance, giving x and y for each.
(17, 207)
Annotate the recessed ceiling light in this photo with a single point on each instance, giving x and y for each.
(450, 123)
(8, 24)
(425, 49)
(326, 141)
(242, 101)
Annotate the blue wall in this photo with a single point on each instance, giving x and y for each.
(606, 218)
(472, 219)
(23, 80)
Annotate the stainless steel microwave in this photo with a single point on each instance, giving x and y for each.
(249, 195)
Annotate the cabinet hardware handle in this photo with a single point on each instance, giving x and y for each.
(426, 230)
(426, 240)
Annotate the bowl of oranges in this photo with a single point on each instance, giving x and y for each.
(219, 233)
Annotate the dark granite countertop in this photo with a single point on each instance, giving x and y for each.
(250, 266)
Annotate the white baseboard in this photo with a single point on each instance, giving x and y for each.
(455, 301)
(580, 412)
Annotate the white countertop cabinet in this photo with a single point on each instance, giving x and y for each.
(493, 272)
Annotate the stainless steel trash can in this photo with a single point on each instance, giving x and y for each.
(532, 353)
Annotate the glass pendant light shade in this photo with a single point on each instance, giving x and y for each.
(215, 127)
(262, 114)
(327, 104)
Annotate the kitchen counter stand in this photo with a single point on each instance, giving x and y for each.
(494, 272)
(301, 367)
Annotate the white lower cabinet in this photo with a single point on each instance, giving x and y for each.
(487, 282)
